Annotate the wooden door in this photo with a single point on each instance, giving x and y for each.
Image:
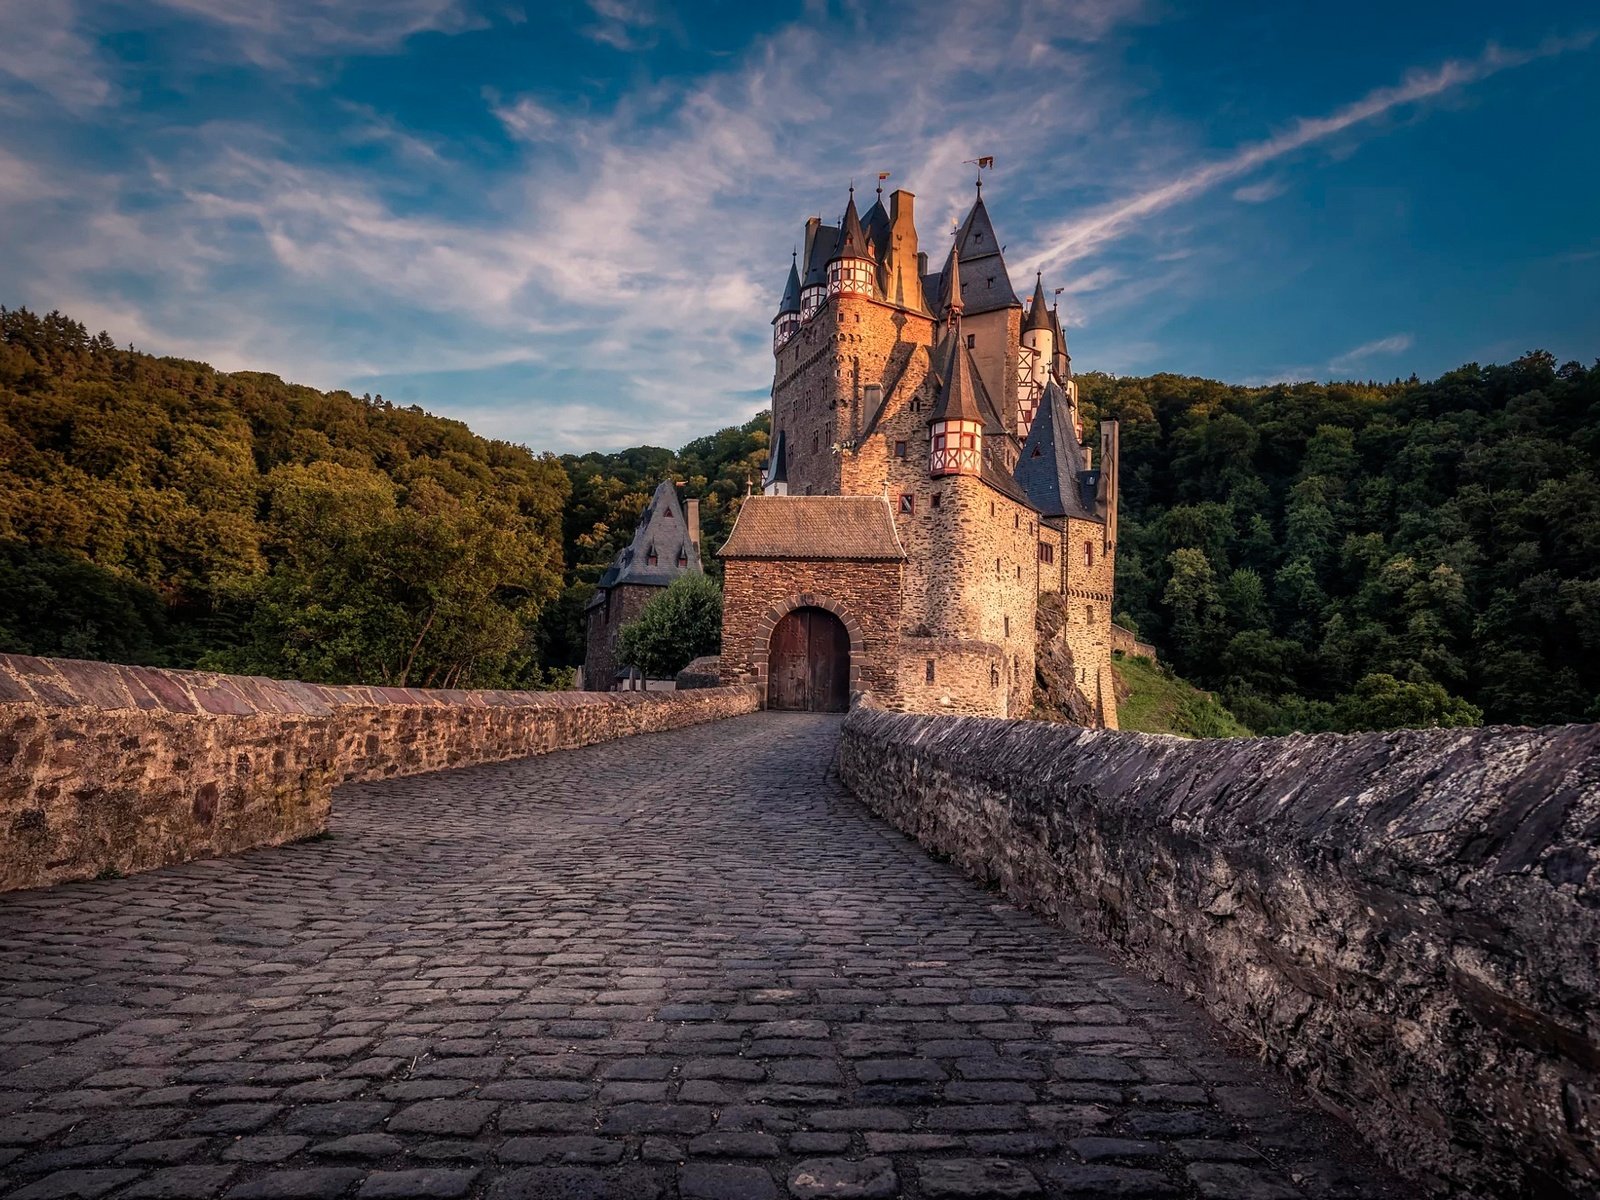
(808, 667)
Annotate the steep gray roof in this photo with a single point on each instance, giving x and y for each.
(814, 527)
(778, 461)
(823, 243)
(876, 225)
(1051, 469)
(663, 528)
(1039, 316)
(852, 241)
(985, 285)
(791, 293)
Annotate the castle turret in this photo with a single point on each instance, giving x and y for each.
(1037, 360)
(777, 481)
(787, 323)
(851, 269)
(955, 431)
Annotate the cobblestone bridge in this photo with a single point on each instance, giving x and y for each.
(683, 964)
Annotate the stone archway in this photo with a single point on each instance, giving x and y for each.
(767, 627)
(808, 662)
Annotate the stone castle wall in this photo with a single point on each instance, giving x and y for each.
(107, 768)
(1406, 921)
(865, 594)
(605, 622)
(1086, 591)
(1127, 642)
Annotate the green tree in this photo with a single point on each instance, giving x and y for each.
(675, 627)
(1381, 701)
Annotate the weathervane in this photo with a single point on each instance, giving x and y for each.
(985, 163)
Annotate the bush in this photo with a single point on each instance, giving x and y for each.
(676, 627)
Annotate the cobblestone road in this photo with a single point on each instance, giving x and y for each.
(686, 964)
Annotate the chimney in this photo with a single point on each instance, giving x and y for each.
(691, 517)
(922, 263)
(900, 201)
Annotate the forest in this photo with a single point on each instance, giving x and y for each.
(1321, 556)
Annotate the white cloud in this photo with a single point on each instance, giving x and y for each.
(1351, 360)
(273, 32)
(1074, 239)
(42, 47)
(1260, 193)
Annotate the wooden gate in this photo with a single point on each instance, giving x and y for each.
(808, 667)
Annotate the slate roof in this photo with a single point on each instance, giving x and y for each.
(662, 527)
(1051, 469)
(852, 242)
(814, 527)
(791, 293)
(1039, 315)
(985, 285)
(823, 243)
(961, 394)
(778, 461)
(876, 226)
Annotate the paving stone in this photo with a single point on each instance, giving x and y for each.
(359, 1145)
(428, 1182)
(314, 1183)
(1099, 1181)
(1231, 1181)
(1097, 1149)
(170, 1150)
(233, 1118)
(577, 1183)
(560, 1150)
(657, 1118)
(843, 1179)
(264, 1149)
(714, 1181)
(970, 1178)
(180, 1183)
(734, 1144)
(347, 1117)
(75, 1185)
(461, 1118)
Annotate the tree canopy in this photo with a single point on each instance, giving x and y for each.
(1363, 555)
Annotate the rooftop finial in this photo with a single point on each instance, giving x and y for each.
(984, 163)
(882, 175)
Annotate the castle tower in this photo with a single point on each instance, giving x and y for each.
(1037, 362)
(955, 431)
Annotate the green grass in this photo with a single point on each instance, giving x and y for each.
(1160, 702)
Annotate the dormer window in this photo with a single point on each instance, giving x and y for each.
(650, 558)
(683, 557)
(972, 341)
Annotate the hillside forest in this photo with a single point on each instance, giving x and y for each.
(1321, 556)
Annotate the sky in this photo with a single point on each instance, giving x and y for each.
(568, 222)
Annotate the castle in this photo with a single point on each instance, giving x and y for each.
(928, 486)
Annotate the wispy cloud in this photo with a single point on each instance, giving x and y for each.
(274, 32)
(1074, 239)
(42, 47)
(1354, 359)
(1260, 193)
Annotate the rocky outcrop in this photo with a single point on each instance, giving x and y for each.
(1409, 922)
(1056, 695)
(703, 672)
(114, 769)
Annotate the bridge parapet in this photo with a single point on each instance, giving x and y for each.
(1407, 921)
(116, 769)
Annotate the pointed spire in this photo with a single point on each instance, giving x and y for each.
(791, 290)
(950, 291)
(1050, 468)
(852, 241)
(1038, 311)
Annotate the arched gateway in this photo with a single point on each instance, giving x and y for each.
(808, 662)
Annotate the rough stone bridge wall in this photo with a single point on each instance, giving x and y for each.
(110, 768)
(1408, 921)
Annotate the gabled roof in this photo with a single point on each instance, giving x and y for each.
(1039, 316)
(1050, 469)
(791, 293)
(985, 285)
(663, 528)
(814, 527)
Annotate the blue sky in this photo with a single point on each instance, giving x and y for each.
(568, 223)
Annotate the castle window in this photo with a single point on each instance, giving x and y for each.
(899, 449)
(1008, 626)
(994, 676)
(683, 557)
(936, 500)
(1088, 554)
(972, 341)
(1088, 614)
(1083, 674)
(1037, 453)
(997, 567)
(991, 508)
(1016, 520)
(1047, 552)
(650, 557)
(929, 672)
(908, 504)
(916, 404)
(1019, 570)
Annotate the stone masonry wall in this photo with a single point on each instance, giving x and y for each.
(107, 768)
(1407, 921)
(866, 595)
(605, 624)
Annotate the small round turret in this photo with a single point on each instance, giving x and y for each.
(851, 269)
(787, 323)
